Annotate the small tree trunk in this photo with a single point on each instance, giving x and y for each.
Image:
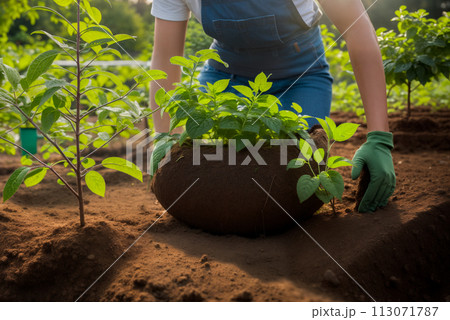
(77, 128)
(408, 112)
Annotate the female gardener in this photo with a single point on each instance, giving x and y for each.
(282, 38)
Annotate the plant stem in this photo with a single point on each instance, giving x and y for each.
(77, 123)
(333, 205)
(408, 114)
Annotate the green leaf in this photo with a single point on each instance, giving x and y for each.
(110, 50)
(183, 137)
(26, 161)
(35, 177)
(331, 125)
(221, 85)
(333, 182)
(411, 33)
(297, 107)
(230, 123)
(182, 61)
(345, 131)
(295, 163)
(250, 127)
(59, 101)
(69, 154)
(273, 124)
(306, 186)
(93, 12)
(323, 195)
(198, 124)
(326, 128)
(63, 3)
(305, 149)
(162, 147)
(14, 182)
(124, 166)
(5, 97)
(114, 78)
(426, 60)
(133, 107)
(160, 97)
(150, 75)
(402, 67)
(49, 116)
(38, 67)
(337, 161)
(88, 163)
(318, 155)
(96, 183)
(57, 40)
(245, 91)
(261, 82)
(47, 95)
(11, 74)
(207, 54)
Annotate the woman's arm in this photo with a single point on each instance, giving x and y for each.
(350, 19)
(168, 42)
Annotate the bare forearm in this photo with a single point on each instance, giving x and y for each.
(369, 73)
(169, 42)
(352, 21)
(173, 75)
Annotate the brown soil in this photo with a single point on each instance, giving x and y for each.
(223, 198)
(399, 253)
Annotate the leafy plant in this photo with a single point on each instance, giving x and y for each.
(77, 113)
(211, 112)
(326, 183)
(418, 52)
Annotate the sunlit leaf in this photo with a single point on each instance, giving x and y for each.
(124, 166)
(35, 177)
(96, 183)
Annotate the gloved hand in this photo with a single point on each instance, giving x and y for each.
(376, 154)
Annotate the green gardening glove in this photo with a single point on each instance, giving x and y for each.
(376, 154)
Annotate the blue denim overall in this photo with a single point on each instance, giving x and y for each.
(269, 36)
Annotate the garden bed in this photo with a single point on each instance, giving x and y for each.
(396, 254)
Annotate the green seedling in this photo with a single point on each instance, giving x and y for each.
(73, 112)
(324, 182)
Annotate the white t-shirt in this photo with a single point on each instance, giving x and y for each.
(180, 10)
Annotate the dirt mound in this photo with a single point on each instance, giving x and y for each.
(230, 198)
(70, 257)
(395, 276)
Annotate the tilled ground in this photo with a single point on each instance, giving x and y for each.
(399, 253)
